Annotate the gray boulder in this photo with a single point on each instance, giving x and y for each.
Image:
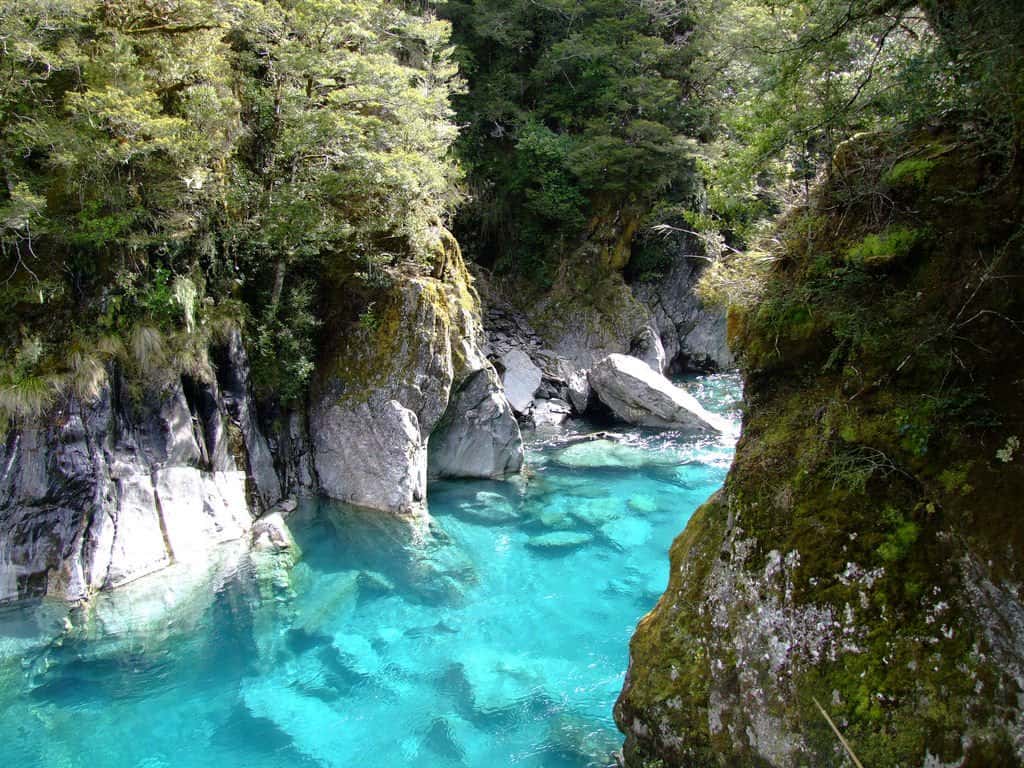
(271, 534)
(647, 346)
(638, 395)
(371, 454)
(551, 413)
(521, 379)
(391, 383)
(478, 436)
(579, 390)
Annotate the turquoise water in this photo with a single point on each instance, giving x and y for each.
(496, 636)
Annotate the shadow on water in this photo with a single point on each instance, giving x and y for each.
(242, 732)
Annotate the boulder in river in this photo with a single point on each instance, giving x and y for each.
(478, 435)
(396, 378)
(638, 395)
(551, 413)
(579, 390)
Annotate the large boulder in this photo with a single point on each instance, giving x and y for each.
(521, 379)
(388, 382)
(638, 395)
(478, 435)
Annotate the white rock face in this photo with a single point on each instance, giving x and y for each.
(521, 379)
(371, 456)
(96, 495)
(201, 509)
(638, 395)
(138, 547)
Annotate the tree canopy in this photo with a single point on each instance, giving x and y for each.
(572, 105)
(168, 161)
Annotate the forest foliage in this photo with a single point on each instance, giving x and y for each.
(171, 163)
(171, 167)
(574, 109)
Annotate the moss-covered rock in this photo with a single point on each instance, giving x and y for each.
(388, 375)
(864, 554)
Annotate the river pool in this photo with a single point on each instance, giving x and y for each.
(496, 636)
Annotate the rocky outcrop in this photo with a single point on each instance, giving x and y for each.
(388, 381)
(693, 335)
(478, 435)
(647, 346)
(864, 557)
(521, 379)
(638, 395)
(98, 494)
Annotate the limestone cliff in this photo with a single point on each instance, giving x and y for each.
(864, 555)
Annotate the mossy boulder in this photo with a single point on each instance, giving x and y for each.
(389, 376)
(864, 554)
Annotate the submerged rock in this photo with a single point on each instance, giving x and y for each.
(500, 680)
(610, 453)
(639, 395)
(559, 540)
(628, 532)
(489, 508)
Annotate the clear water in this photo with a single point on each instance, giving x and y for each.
(497, 636)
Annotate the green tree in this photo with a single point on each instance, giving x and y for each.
(573, 106)
(163, 160)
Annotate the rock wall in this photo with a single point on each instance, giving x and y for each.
(104, 492)
(864, 557)
(591, 311)
(98, 494)
(693, 336)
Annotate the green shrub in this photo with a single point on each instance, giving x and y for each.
(910, 172)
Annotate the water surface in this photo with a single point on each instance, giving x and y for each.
(496, 636)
